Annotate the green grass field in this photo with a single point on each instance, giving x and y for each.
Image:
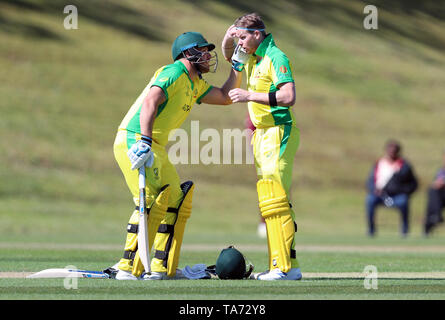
(63, 200)
(329, 273)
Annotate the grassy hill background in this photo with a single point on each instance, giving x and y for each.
(64, 92)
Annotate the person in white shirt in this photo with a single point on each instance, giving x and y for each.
(390, 183)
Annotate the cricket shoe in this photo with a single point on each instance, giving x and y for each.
(277, 274)
(163, 276)
(125, 275)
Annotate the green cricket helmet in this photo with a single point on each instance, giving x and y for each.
(231, 264)
(189, 42)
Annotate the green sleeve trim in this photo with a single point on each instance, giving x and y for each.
(283, 81)
(281, 66)
(167, 77)
(204, 94)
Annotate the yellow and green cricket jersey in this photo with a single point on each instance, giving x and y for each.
(181, 94)
(266, 75)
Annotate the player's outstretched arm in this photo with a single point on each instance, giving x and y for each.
(220, 96)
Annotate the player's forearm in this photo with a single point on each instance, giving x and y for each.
(228, 46)
(149, 109)
(258, 97)
(234, 81)
(221, 96)
(147, 117)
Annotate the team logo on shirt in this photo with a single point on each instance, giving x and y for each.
(283, 69)
(163, 79)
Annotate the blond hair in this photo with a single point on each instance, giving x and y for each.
(251, 21)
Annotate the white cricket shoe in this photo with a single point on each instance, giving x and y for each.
(277, 274)
(125, 275)
(163, 276)
(155, 276)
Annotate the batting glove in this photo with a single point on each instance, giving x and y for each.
(239, 58)
(140, 153)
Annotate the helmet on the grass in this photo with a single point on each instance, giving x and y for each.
(231, 264)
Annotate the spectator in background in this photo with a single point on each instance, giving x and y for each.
(436, 200)
(390, 183)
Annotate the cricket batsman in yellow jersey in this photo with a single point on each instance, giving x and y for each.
(270, 94)
(163, 106)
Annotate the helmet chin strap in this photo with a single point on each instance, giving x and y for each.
(198, 69)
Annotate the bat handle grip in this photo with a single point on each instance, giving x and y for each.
(142, 177)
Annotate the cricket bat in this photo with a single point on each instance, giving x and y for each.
(143, 247)
(65, 273)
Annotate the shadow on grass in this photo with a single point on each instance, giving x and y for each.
(107, 13)
(342, 14)
(398, 26)
(243, 6)
(27, 29)
(398, 20)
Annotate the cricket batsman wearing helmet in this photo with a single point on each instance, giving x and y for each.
(270, 94)
(163, 106)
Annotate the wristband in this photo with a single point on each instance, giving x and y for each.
(273, 99)
(146, 139)
(238, 66)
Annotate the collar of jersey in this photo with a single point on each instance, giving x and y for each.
(261, 50)
(179, 63)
